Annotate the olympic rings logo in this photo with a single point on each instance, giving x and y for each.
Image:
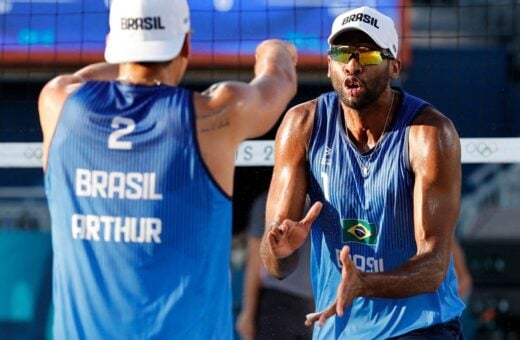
(482, 149)
(33, 153)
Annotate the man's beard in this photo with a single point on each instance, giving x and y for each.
(372, 91)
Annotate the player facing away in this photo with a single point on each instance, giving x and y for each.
(139, 178)
(383, 172)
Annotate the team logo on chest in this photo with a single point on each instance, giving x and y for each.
(360, 231)
(326, 158)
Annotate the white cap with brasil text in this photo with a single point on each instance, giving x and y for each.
(146, 30)
(375, 24)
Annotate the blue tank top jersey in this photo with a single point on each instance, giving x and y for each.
(141, 232)
(371, 212)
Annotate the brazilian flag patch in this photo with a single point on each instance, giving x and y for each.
(354, 230)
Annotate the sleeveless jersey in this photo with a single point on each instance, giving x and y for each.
(371, 212)
(141, 232)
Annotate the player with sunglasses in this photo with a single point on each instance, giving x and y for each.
(364, 55)
(382, 169)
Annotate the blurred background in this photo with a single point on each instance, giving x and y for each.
(463, 56)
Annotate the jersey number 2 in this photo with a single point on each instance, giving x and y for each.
(124, 126)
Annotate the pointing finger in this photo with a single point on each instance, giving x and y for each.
(313, 213)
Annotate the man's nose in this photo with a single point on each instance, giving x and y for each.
(353, 66)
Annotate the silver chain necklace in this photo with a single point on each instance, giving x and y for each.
(365, 165)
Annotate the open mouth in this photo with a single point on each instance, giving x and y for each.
(353, 86)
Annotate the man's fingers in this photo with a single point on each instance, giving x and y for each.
(311, 318)
(345, 260)
(340, 308)
(346, 267)
(313, 213)
(321, 317)
(272, 239)
(327, 314)
(277, 231)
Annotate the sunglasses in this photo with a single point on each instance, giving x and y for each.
(364, 55)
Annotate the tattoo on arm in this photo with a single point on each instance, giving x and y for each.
(212, 121)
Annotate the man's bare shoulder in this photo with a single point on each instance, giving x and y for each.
(433, 121)
(296, 128)
(56, 91)
(433, 138)
(305, 108)
(65, 82)
(301, 116)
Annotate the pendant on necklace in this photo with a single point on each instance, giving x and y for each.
(364, 170)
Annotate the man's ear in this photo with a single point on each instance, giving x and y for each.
(328, 66)
(395, 68)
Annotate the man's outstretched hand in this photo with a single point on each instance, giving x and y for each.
(284, 238)
(348, 289)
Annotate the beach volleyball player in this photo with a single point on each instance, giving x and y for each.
(139, 178)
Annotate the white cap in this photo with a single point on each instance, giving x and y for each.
(375, 24)
(146, 30)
